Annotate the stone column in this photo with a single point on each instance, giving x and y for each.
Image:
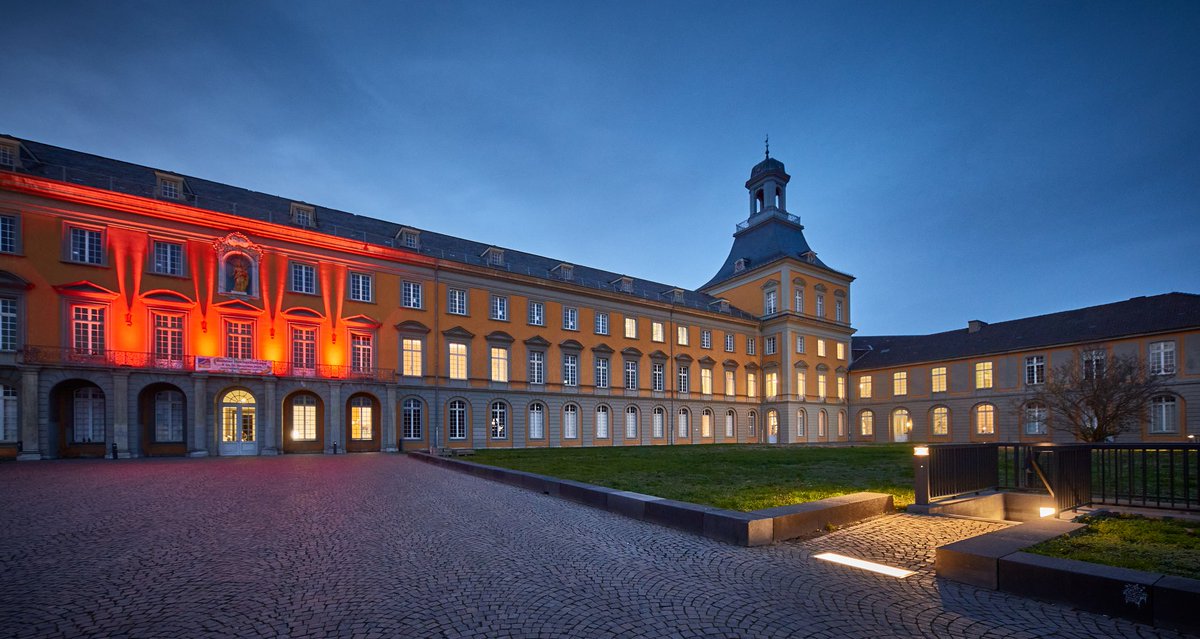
(199, 443)
(270, 427)
(29, 416)
(389, 421)
(334, 428)
(120, 400)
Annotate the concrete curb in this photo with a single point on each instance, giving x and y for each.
(757, 528)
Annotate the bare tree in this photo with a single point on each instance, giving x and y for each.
(1096, 396)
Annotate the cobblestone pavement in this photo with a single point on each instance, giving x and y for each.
(384, 546)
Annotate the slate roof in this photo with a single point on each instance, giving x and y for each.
(92, 170)
(1137, 316)
(773, 237)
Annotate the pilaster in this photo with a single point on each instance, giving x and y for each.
(29, 416)
(270, 425)
(389, 421)
(120, 402)
(199, 440)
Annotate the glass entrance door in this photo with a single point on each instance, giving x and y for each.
(238, 432)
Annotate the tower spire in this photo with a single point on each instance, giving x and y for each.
(767, 142)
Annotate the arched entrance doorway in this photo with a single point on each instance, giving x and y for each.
(238, 428)
(362, 423)
(901, 425)
(162, 411)
(303, 423)
(79, 410)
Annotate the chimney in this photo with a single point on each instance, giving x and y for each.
(973, 326)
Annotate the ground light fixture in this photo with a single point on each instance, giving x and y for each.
(890, 571)
(1045, 511)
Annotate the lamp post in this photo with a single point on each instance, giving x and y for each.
(921, 474)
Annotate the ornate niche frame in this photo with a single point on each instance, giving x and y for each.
(238, 262)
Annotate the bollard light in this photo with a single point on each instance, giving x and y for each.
(1045, 511)
(920, 451)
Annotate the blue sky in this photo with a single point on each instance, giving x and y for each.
(986, 160)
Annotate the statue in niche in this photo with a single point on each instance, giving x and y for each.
(238, 262)
(239, 273)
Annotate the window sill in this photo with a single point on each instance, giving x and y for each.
(77, 263)
(173, 276)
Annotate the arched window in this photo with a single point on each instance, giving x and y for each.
(658, 419)
(985, 419)
(901, 424)
(537, 420)
(602, 422)
(822, 423)
(706, 423)
(841, 423)
(411, 418)
(730, 423)
(939, 420)
(362, 417)
(304, 417)
(772, 426)
(499, 421)
(801, 423)
(684, 423)
(866, 423)
(457, 413)
(631, 422)
(238, 414)
(89, 416)
(168, 416)
(1164, 416)
(570, 421)
(1035, 418)
(8, 414)
(752, 424)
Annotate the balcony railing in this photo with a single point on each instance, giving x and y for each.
(52, 355)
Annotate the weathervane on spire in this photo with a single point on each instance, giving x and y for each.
(767, 142)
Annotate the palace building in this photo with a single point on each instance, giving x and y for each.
(146, 313)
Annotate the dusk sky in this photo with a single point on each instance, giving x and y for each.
(963, 160)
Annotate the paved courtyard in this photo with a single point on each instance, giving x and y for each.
(384, 546)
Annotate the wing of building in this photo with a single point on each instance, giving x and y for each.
(155, 313)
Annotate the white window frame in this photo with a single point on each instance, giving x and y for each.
(730, 342)
(631, 331)
(657, 334)
(537, 367)
(458, 361)
(570, 318)
(536, 315)
(1162, 357)
(85, 245)
(631, 375)
(984, 378)
(658, 373)
(900, 383)
(412, 295)
(456, 301)
(681, 335)
(412, 357)
(570, 369)
(303, 342)
(938, 380)
(498, 308)
(601, 369)
(362, 286)
(601, 323)
(1035, 370)
(302, 278)
(166, 263)
(498, 356)
(769, 345)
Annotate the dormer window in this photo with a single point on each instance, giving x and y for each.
(809, 256)
(10, 154)
(677, 295)
(410, 238)
(724, 306)
(493, 256)
(304, 216)
(565, 271)
(739, 265)
(626, 284)
(170, 187)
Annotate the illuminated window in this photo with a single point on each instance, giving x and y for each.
(800, 343)
(841, 387)
(458, 361)
(798, 300)
(801, 384)
(602, 419)
(705, 338)
(88, 416)
(304, 278)
(1093, 363)
(706, 423)
(801, 423)
(1162, 358)
(304, 418)
(866, 423)
(411, 295)
(683, 384)
(410, 419)
(168, 340)
(458, 419)
(630, 328)
(601, 323)
(900, 384)
(773, 425)
(168, 258)
(769, 345)
(362, 352)
(750, 346)
(1164, 415)
(730, 384)
(602, 372)
(864, 387)
(239, 339)
(499, 308)
(456, 301)
(658, 417)
(537, 314)
(412, 352)
(8, 323)
(684, 425)
(168, 416)
(86, 246)
(362, 287)
(729, 342)
(362, 418)
(820, 348)
(570, 318)
(706, 381)
(941, 420)
(730, 423)
(631, 375)
(304, 349)
(983, 375)
(682, 333)
(751, 385)
(1035, 418)
(772, 381)
(985, 419)
(631, 422)
(657, 377)
(822, 391)
(499, 364)
(499, 421)
(537, 420)
(8, 232)
(570, 369)
(537, 367)
(770, 302)
(841, 350)
(656, 332)
(938, 378)
(1035, 370)
(570, 421)
(303, 216)
(839, 309)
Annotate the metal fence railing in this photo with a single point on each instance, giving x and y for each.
(1147, 475)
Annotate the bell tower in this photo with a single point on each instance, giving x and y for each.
(768, 187)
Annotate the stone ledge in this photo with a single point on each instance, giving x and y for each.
(976, 560)
(758, 528)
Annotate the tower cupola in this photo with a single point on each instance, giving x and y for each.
(768, 186)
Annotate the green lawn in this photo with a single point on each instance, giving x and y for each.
(1156, 545)
(737, 477)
